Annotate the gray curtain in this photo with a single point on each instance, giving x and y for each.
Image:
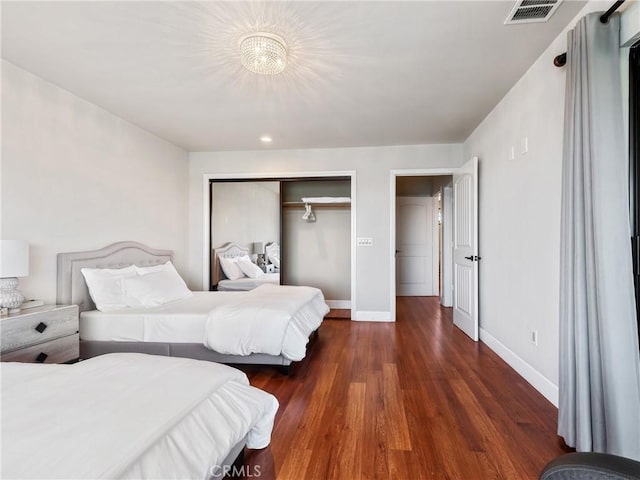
(599, 408)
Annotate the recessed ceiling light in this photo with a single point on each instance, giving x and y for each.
(266, 139)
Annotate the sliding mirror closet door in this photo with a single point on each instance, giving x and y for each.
(246, 214)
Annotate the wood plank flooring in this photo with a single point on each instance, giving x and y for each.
(339, 314)
(408, 400)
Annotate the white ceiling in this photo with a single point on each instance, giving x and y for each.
(361, 73)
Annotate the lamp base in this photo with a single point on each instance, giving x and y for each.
(10, 296)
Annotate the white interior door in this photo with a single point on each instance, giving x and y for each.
(414, 246)
(465, 248)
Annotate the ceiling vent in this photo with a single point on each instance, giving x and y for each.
(532, 11)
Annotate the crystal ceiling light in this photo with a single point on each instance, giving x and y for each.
(263, 53)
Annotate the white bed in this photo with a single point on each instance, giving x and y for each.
(219, 280)
(185, 321)
(227, 327)
(129, 416)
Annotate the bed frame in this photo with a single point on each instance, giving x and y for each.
(72, 289)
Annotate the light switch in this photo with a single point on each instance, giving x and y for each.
(364, 242)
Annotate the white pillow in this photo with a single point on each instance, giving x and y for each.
(230, 267)
(250, 269)
(168, 266)
(275, 261)
(105, 286)
(154, 289)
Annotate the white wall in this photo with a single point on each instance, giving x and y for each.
(75, 177)
(372, 166)
(520, 218)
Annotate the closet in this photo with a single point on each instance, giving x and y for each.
(310, 218)
(316, 236)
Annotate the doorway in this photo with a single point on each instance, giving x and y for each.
(418, 226)
(458, 236)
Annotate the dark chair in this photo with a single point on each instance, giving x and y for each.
(591, 466)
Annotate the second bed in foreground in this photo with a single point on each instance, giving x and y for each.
(129, 416)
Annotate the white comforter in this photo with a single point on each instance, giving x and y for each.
(127, 416)
(271, 319)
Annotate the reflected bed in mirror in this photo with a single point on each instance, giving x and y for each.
(222, 283)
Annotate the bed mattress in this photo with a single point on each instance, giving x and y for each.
(127, 416)
(244, 284)
(182, 321)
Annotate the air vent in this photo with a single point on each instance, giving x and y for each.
(532, 11)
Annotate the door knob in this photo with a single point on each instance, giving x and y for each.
(473, 258)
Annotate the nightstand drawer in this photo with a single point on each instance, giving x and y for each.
(60, 350)
(37, 325)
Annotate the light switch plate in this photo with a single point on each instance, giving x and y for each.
(364, 242)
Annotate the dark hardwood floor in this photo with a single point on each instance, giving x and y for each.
(339, 314)
(408, 400)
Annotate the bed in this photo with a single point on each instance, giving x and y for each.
(221, 283)
(129, 416)
(213, 326)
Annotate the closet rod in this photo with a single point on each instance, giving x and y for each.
(317, 205)
(561, 59)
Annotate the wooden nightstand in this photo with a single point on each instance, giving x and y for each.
(47, 334)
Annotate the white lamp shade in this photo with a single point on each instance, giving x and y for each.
(258, 247)
(14, 258)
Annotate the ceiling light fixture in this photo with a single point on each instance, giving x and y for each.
(263, 53)
(266, 139)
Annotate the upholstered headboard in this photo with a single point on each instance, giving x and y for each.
(272, 250)
(229, 250)
(72, 289)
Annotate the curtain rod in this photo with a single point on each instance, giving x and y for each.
(561, 59)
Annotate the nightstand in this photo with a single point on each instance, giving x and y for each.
(47, 334)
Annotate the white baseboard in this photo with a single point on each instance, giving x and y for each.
(338, 303)
(372, 317)
(538, 381)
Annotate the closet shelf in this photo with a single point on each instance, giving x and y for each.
(316, 205)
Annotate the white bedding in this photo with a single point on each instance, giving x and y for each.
(176, 322)
(246, 283)
(127, 416)
(276, 320)
(184, 321)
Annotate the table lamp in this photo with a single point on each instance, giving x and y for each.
(258, 250)
(14, 262)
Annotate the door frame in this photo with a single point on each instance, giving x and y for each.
(394, 174)
(206, 217)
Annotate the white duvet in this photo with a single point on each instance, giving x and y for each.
(271, 319)
(127, 416)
